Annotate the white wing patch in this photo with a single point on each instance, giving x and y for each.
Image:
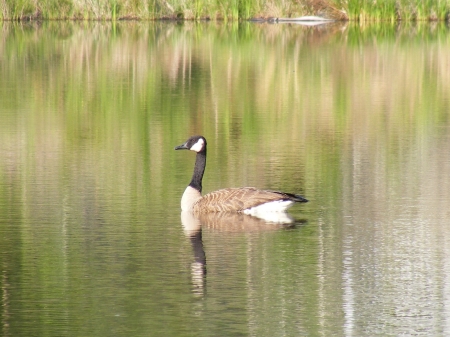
(197, 147)
(273, 206)
(274, 211)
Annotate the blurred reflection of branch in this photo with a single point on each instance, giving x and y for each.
(5, 302)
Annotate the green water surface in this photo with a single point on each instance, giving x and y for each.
(356, 119)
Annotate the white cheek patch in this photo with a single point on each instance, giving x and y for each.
(197, 147)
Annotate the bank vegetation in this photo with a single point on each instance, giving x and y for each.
(354, 10)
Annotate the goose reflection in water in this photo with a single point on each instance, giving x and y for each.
(193, 224)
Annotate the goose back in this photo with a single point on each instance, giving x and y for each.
(240, 199)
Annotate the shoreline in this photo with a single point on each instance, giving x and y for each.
(234, 11)
(31, 18)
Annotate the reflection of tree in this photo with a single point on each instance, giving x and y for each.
(10, 238)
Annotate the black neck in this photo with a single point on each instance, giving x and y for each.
(199, 169)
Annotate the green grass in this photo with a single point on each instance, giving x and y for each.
(399, 10)
(355, 10)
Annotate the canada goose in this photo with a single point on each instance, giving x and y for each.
(248, 200)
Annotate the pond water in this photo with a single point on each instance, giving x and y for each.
(355, 118)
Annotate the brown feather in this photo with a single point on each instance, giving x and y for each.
(236, 199)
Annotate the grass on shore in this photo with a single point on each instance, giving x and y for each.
(399, 10)
(355, 10)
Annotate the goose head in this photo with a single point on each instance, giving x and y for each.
(194, 143)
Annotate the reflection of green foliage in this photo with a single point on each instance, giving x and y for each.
(112, 80)
(91, 113)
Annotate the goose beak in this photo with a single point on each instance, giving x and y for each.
(303, 199)
(181, 147)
